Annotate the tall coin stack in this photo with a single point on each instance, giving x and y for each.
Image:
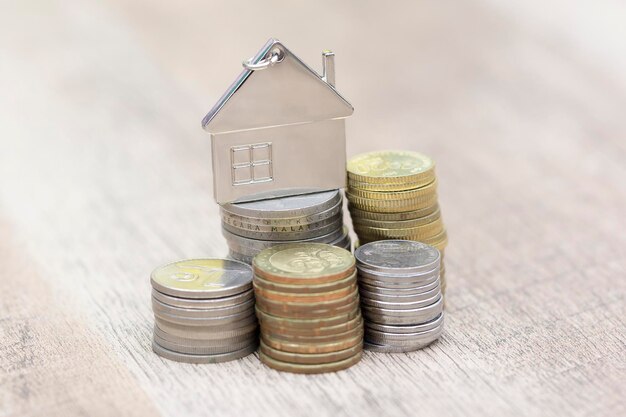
(401, 298)
(204, 311)
(253, 226)
(308, 307)
(393, 195)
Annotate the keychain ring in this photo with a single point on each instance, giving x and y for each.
(274, 57)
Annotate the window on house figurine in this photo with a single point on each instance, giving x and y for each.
(251, 164)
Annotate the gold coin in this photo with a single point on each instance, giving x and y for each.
(439, 241)
(304, 263)
(389, 206)
(306, 323)
(398, 224)
(392, 186)
(286, 336)
(313, 305)
(310, 358)
(424, 231)
(287, 346)
(294, 332)
(361, 215)
(308, 312)
(304, 289)
(426, 190)
(390, 166)
(307, 368)
(315, 297)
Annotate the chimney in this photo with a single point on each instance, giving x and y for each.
(328, 67)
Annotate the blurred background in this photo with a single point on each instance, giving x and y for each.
(105, 174)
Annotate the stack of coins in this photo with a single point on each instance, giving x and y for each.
(401, 296)
(204, 311)
(253, 226)
(393, 195)
(308, 307)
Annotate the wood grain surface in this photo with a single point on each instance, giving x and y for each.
(105, 174)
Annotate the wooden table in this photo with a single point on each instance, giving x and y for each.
(105, 174)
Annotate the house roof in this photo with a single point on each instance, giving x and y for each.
(288, 92)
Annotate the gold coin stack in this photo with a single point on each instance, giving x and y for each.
(393, 195)
(307, 303)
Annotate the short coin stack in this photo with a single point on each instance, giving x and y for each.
(393, 195)
(253, 226)
(308, 308)
(204, 311)
(400, 295)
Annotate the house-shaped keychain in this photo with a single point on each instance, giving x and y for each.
(279, 129)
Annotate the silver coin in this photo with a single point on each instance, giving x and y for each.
(284, 207)
(234, 329)
(213, 321)
(379, 300)
(287, 221)
(248, 246)
(241, 258)
(202, 278)
(375, 347)
(288, 233)
(253, 229)
(192, 342)
(195, 313)
(398, 256)
(203, 350)
(402, 329)
(199, 303)
(399, 292)
(189, 358)
(402, 317)
(403, 339)
(396, 277)
(397, 285)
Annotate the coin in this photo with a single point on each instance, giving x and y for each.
(295, 332)
(195, 313)
(403, 339)
(304, 263)
(397, 224)
(361, 215)
(410, 328)
(287, 336)
(392, 206)
(390, 166)
(392, 186)
(313, 313)
(397, 300)
(282, 221)
(402, 305)
(392, 291)
(308, 297)
(305, 289)
(313, 305)
(288, 346)
(307, 323)
(209, 333)
(375, 347)
(401, 317)
(397, 282)
(202, 278)
(223, 342)
(189, 358)
(252, 247)
(298, 232)
(309, 368)
(285, 207)
(310, 358)
(397, 256)
(203, 303)
(426, 190)
(428, 230)
(205, 321)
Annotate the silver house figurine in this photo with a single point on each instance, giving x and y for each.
(279, 129)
